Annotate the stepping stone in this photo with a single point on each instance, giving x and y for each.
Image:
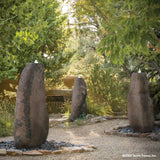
(3, 152)
(44, 152)
(32, 153)
(59, 151)
(14, 152)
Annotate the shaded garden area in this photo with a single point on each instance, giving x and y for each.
(103, 42)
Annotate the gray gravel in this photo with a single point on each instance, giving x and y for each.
(108, 147)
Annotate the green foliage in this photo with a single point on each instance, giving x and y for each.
(67, 107)
(128, 29)
(106, 92)
(131, 27)
(83, 43)
(82, 116)
(148, 64)
(31, 30)
(155, 95)
(98, 108)
(6, 118)
(79, 122)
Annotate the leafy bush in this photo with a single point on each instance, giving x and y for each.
(98, 108)
(155, 95)
(107, 93)
(6, 117)
(67, 106)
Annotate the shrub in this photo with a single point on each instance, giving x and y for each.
(67, 106)
(98, 108)
(155, 95)
(6, 117)
(107, 93)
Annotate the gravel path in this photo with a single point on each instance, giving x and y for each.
(108, 147)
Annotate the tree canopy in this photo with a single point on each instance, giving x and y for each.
(31, 30)
(130, 29)
(128, 32)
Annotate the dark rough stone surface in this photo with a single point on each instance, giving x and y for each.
(140, 108)
(79, 105)
(31, 115)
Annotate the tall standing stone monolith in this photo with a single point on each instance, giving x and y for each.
(79, 105)
(31, 115)
(140, 108)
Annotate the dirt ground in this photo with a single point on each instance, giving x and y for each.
(108, 147)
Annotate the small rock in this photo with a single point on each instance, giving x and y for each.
(59, 151)
(89, 116)
(136, 134)
(96, 119)
(143, 135)
(121, 126)
(131, 135)
(87, 149)
(53, 121)
(106, 116)
(154, 136)
(63, 116)
(52, 142)
(119, 134)
(73, 149)
(44, 152)
(109, 132)
(90, 146)
(14, 152)
(3, 152)
(78, 149)
(32, 153)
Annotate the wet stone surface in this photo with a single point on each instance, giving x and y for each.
(48, 145)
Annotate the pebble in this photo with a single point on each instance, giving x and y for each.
(125, 130)
(49, 147)
(46, 146)
(129, 132)
(156, 129)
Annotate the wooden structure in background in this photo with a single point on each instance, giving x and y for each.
(56, 97)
